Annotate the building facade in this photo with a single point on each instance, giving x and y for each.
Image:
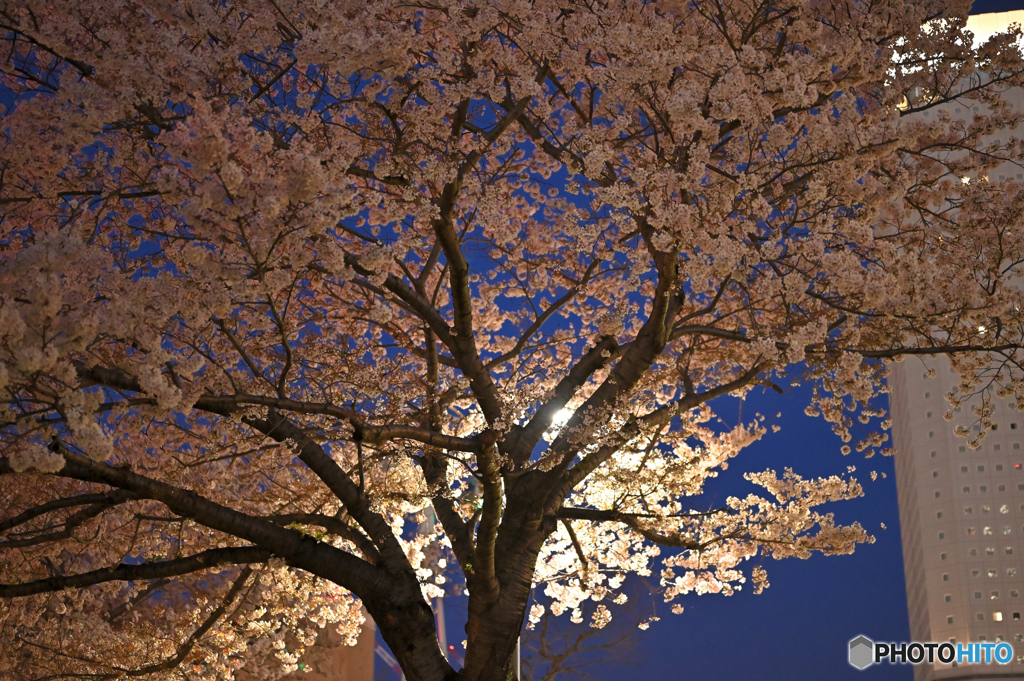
(962, 521)
(961, 509)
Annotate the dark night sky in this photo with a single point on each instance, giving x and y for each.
(800, 626)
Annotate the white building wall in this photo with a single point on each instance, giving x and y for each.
(961, 510)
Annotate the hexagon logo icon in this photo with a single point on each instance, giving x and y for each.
(862, 652)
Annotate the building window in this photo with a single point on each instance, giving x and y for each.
(972, 552)
(997, 447)
(980, 616)
(999, 466)
(949, 598)
(992, 573)
(1013, 593)
(1001, 488)
(990, 551)
(945, 578)
(981, 469)
(942, 556)
(928, 415)
(963, 469)
(1013, 426)
(975, 573)
(967, 490)
(931, 433)
(1009, 550)
(977, 595)
(942, 535)
(987, 530)
(997, 616)
(1011, 572)
(995, 595)
(968, 509)
(1007, 529)
(962, 449)
(1016, 615)
(986, 509)
(949, 620)
(983, 488)
(937, 495)
(1016, 445)
(935, 474)
(970, 530)
(1004, 509)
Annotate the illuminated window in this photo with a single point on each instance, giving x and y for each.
(1007, 529)
(997, 616)
(987, 530)
(986, 509)
(1011, 572)
(942, 556)
(990, 551)
(992, 573)
(1004, 509)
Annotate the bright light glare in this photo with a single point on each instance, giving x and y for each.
(562, 417)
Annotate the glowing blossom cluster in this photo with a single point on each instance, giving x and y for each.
(309, 306)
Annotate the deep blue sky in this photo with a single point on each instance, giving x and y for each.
(799, 627)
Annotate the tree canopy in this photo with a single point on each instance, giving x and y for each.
(309, 305)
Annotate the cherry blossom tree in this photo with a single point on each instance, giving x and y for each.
(308, 306)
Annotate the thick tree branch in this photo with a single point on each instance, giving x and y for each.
(128, 573)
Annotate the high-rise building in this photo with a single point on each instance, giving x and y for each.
(962, 521)
(961, 509)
